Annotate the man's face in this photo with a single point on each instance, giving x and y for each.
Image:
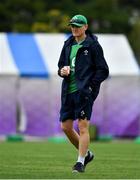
(78, 31)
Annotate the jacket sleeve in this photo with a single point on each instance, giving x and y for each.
(99, 64)
(61, 60)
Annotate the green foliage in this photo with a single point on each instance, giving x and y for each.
(110, 16)
(135, 39)
(54, 22)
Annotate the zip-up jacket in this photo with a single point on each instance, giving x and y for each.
(90, 66)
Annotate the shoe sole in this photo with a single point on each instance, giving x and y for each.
(75, 171)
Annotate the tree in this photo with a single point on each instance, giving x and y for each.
(55, 21)
(135, 39)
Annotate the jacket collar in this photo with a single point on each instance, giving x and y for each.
(90, 39)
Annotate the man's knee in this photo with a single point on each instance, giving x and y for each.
(63, 127)
(83, 126)
(66, 127)
(83, 130)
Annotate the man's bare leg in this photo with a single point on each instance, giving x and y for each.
(72, 135)
(83, 139)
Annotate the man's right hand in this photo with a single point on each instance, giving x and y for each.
(65, 71)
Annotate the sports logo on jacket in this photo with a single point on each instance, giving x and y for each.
(86, 52)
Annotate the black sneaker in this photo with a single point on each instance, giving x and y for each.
(88, 158)
(78, 167)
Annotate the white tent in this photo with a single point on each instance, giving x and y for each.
(116, 110)
(37, 53)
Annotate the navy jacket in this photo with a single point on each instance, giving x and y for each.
(90, 66)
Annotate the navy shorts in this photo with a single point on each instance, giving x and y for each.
(76, 106)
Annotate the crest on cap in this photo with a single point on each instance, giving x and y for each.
(78, 20)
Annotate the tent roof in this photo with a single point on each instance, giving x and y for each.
(38, 54)
(119, 55)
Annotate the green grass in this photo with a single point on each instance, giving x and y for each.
(43, 160)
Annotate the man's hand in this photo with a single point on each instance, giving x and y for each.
(65, 71)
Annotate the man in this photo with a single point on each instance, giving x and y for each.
(82, 67)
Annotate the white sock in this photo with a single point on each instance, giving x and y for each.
(87, 152)
(81, 159)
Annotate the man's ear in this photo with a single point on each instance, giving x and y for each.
(86, 27)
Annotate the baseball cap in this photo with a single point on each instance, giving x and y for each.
(78, 20)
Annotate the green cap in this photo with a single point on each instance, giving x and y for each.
(78, 20)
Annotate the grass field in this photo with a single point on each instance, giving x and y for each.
(46, 160)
